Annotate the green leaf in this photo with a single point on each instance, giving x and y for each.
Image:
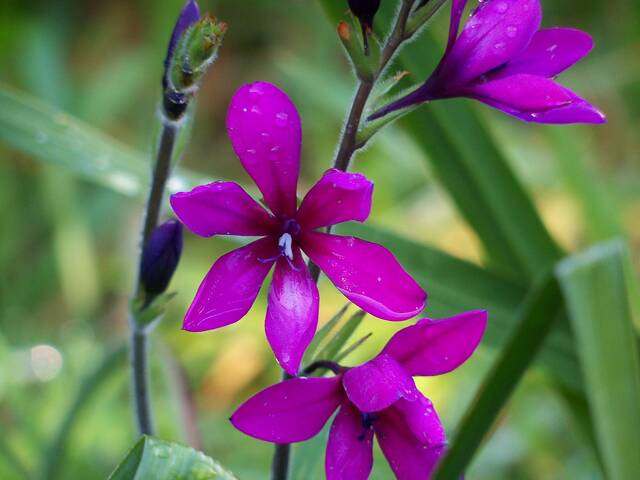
(154, 459)
(535, 321)
(53, 136)
(341, 337)
(318, 339)
(455, 285)
(598, 297)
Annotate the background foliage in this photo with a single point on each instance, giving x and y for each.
(70, 226)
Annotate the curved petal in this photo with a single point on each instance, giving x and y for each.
(551, 51)
(222, 208)
(433, 347)
(422, 419)
(350, 447)
(409, 459)
(264, 128)
(522, 92)
(337, 197)
(378, 383)
(496, 32)
(290, 411)
(367, 274)
(577, 111)
(292, 312)
(229, 289)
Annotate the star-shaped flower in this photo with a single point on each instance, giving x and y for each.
(378, 398)
(264, 128)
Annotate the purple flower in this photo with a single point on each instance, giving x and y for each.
(377, 398)
(502, 59)
(265, 131)
(160, 257)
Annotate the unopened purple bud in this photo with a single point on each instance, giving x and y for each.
(189, 15)
(365, 11)
(160, 258)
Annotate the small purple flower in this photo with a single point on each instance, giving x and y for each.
(160, 257)
(264, 128)
(501, 58)
(377, 398)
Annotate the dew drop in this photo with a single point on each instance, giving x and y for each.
(275, 149)
(251, 151)
(500, 45)
(502, 7)
(245, 109)
(282, 119)
(256, 109)
(512, 31)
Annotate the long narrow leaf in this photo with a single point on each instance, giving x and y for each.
(597, 294)
(536, 319)
(455, 285)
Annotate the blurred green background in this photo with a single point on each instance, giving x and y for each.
(68, 245)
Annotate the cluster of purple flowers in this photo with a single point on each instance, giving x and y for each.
(500, 58)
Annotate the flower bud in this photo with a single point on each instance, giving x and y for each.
(192, 49)
(160, 256)
(365, 11)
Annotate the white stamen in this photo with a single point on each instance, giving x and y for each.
(285, 243)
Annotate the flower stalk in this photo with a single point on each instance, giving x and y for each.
(347, 147)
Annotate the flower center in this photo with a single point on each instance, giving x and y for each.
(285, 243)
(368, 420)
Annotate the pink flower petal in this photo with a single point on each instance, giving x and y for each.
(350, 447)
(222, 208)
(433, 347)
(422, 419)
(337, 197)
(378, 383)
(550, 52)
(292, 312)
(496, 31)
(409, 459)
(577, 111)
(290, 411)
(229, 289)
(367, 274)
(264, 128)
(522, 92)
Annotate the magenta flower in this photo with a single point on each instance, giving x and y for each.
(265, 131)
(502, 59)
(377, 398)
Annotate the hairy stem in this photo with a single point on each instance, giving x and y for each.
(139, 335)
(346, 149)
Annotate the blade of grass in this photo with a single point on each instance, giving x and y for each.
(598, 299)
(456, 285)
(535, 321)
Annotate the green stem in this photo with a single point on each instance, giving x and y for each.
(139, 334)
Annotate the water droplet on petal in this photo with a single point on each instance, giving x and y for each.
(255, 109)
(502, 7)
(500, 45)
(512, 31)
(251, 151)
(282, 119)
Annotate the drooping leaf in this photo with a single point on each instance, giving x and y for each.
(55, 137)
(154, 459)
(598, 298)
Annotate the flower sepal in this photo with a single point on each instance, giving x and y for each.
(363, 64)
(146, 316)
(195, 52)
